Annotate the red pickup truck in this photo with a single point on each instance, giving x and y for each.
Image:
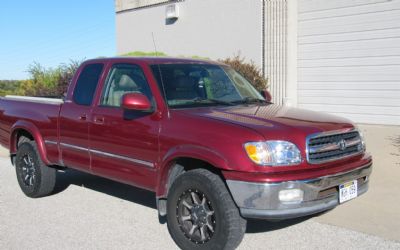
(213, 149)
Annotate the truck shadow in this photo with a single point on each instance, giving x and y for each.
(109, 187)
(147, 198)
(262, 226)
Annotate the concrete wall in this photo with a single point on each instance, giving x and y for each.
(207, 28)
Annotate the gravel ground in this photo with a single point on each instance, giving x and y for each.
(94, 213)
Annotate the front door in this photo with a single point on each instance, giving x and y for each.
(124, 144)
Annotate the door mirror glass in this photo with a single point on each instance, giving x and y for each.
(267, 95)
(135, 101)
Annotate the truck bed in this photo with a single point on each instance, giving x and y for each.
(38, 112)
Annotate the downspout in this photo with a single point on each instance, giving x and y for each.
(263, 38)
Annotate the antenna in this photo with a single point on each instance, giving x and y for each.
(161, 77)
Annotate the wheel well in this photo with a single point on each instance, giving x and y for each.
(22, 136)
(192, 163)
(185, 164)
(19, 136)
(178, 167)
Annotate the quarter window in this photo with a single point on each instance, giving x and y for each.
(87, 83)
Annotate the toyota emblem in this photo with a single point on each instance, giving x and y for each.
(342, 144)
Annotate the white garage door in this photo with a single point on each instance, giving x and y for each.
(349, 58)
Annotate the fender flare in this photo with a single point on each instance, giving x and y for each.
(186, 151)
(34, 131)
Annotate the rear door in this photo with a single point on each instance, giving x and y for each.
(75, 116)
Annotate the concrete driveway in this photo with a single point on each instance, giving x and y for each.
(378, 211)
(94, 213)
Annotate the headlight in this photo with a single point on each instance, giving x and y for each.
(273, 153)
(361, 146)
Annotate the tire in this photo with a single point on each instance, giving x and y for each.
(34, 177)
(201, 213)
(22, 140)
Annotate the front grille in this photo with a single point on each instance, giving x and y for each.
(333, 146)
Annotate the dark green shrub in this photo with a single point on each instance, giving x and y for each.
(249, 70)
(144, 54)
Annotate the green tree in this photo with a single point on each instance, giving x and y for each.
(50, 82)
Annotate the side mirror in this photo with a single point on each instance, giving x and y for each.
(267, 95)
(135, 101)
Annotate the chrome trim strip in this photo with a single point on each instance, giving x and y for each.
(329, 133)
(265, 196)
(145, 163)
(332, 146)
(35, 99)
(110, 155)
(50, 142)
(323, 148)
(73, 147)
(353, 142)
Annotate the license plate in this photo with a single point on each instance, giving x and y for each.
(347, 191)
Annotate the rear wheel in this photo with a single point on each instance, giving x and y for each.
(201, 213)
(34, 177)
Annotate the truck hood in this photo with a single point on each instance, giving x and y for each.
(274, 121)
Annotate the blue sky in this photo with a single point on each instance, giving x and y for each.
(52, 32)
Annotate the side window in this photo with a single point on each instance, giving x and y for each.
(122, 79)
(87, 83)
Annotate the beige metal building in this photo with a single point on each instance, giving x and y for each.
(336, 56)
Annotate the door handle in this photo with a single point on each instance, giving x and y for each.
(99, 120)
(83, 117)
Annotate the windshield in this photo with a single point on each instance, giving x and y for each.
(192, 85)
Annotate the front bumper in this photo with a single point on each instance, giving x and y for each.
(261, 200)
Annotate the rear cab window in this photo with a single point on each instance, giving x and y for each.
(86, 84)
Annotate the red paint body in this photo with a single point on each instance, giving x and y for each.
(135, 101)
(213, 134)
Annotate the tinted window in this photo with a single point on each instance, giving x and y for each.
(123, 79)
(86, 84)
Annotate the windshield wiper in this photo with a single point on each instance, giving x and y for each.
(251, 100)
(216, 101)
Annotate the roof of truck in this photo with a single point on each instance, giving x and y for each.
(154, 60)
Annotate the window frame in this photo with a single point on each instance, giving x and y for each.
(106, 85)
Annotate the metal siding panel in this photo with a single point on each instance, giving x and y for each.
(347, 93)
(276, 46)
(349, 11)
(377, 79)
(350, 102)
(325, 86)
(368, 24)
(318, 5)
(349, 59)
(353, 62)
(352, 45)
(372, 119)
(371, 53)
(362, 109)
(353, 36)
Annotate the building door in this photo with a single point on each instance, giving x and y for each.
(349, 59)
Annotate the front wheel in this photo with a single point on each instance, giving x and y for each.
(201, 213)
